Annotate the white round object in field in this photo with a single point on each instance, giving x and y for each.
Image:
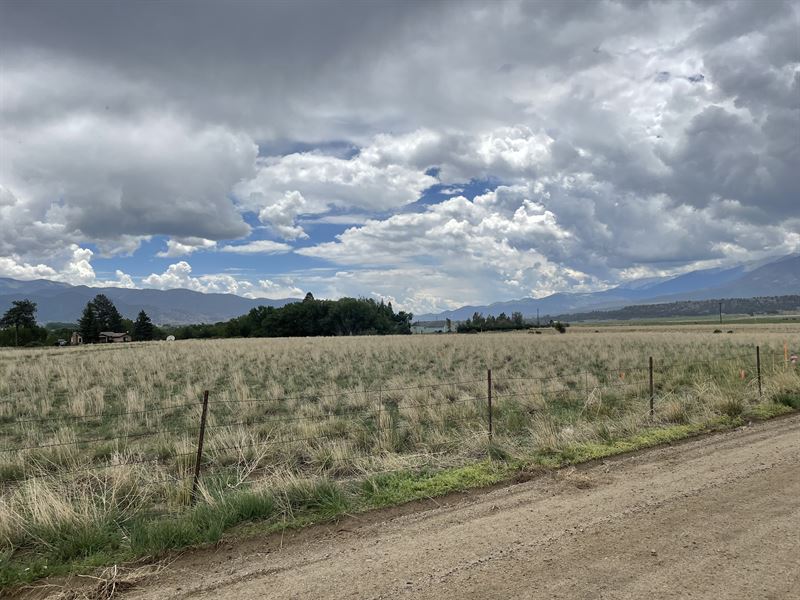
(170, 338)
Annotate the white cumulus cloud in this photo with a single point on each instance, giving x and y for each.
(185, 246)
(258, 247)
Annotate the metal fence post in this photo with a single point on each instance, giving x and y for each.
(652, 389)
(489, 398)
(199, 458)
(758, 368)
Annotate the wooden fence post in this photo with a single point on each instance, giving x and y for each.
(489, 398)
(758, 369)
(652, 389)
(199, 458)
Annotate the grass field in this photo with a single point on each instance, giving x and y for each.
(713, 320)
(97, 444)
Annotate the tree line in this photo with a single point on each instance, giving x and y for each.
(101, 315)
(18, 326)
(311, 317)
(503, 322)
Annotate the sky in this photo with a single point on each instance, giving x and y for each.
(434, 154)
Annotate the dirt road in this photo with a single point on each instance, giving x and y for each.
(717, 517)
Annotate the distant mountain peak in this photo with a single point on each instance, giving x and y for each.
(61, 302)
(774, 276)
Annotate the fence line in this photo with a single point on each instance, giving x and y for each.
(96, 440)
(315, 396)
(376, 412)
(93, 468)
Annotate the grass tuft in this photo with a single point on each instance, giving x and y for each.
(790, 399)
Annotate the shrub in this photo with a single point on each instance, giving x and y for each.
(790, 399)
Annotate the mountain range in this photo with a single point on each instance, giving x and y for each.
(770, 277)
(61, 302)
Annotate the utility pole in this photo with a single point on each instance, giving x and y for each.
(720, 313)
(537, 318)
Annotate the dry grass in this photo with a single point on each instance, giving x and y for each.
(286, 411)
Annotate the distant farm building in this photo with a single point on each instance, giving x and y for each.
(111, 337)
(75, 339)
(429, 327)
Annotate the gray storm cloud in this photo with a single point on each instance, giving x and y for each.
(628, 133)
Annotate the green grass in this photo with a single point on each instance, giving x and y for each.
(789, 399)
(391, 489)
(82, 548)
(580, 453)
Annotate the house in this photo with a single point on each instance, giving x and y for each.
(111, 337)
(430, 327)
(75, 339)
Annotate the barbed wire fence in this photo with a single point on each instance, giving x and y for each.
(482, 404)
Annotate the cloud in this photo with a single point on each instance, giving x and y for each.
(123, 281)
(258, 247)
(115, 182)
(502, 235)
(12, 266)
(185, 246)
(453, 227)
(338, 219)
(281, 215)
(506, 153)
(268, 288)
(79, 271)
(75, 269)
(621, 137)
(535, 240)
(179, 275)
(311, 183)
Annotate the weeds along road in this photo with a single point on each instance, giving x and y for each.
(717, 517)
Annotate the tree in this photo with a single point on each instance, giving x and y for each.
(143, 328)
(310, 317)
(448, 326)
(88, 325)
(107, 315)
(21, 314)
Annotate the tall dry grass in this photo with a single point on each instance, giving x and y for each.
(112, 430)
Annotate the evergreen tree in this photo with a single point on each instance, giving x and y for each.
(88, 325)
(143, 329)
(106, 314)
(21, 314)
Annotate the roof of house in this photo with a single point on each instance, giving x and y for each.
(113, 334)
